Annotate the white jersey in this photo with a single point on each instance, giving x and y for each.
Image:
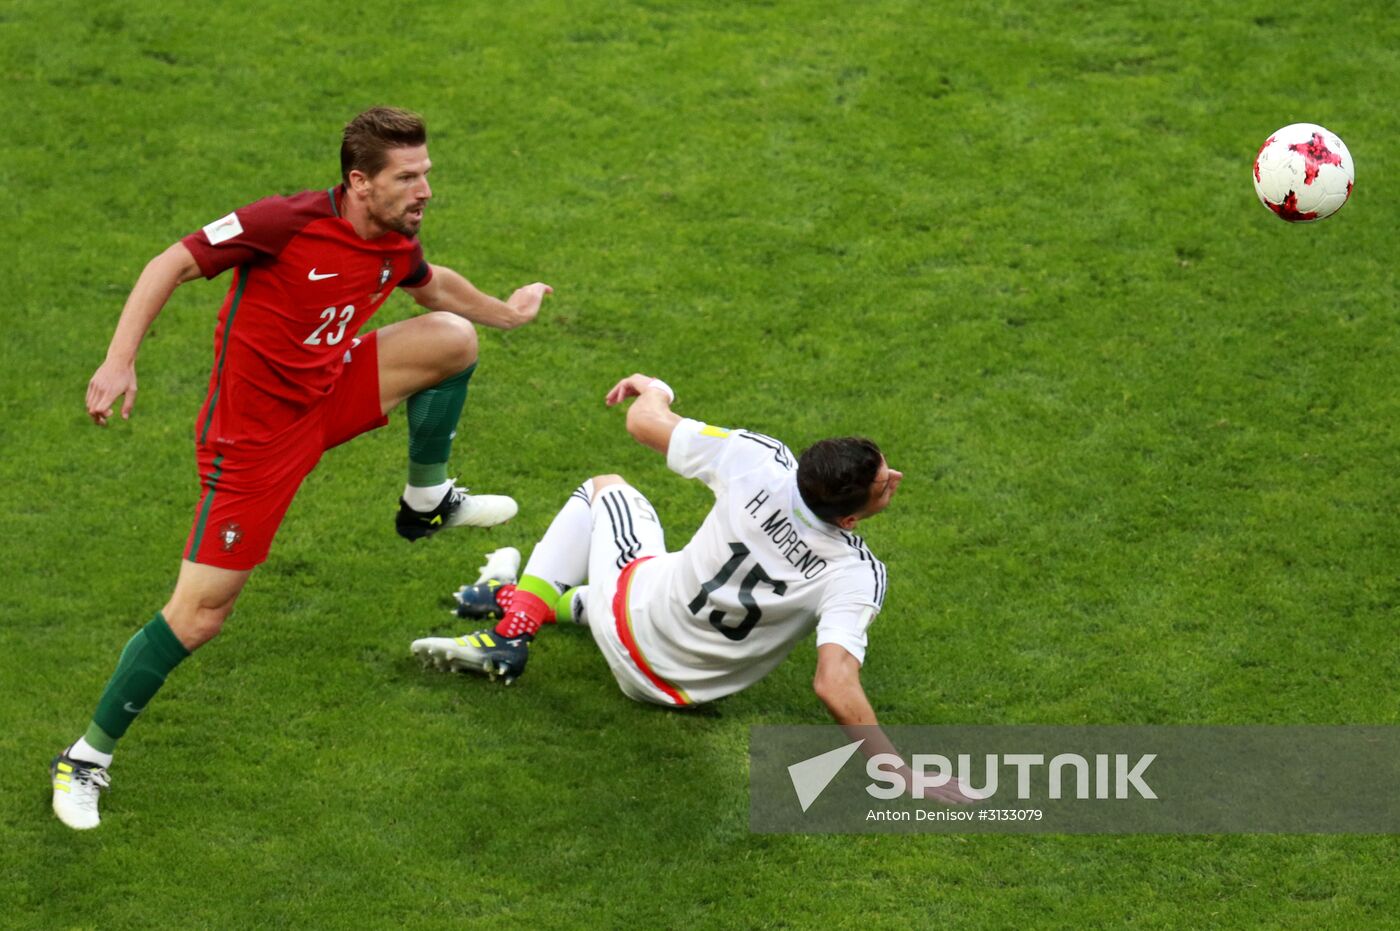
(758, 576)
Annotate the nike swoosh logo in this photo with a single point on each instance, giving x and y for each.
(312, 276)
(132, 710)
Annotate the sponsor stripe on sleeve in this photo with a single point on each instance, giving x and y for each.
(881, 577)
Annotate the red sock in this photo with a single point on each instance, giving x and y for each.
(526, 613)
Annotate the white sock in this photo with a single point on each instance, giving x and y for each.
(82, 750)
(427, 497)
(561, 556)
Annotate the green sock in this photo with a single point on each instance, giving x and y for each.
(432, 423)
(145, 662)
(541, 609)
(564, 607)
(544, 590)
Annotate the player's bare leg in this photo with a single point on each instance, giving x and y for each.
(202, 601)
(427, 362)
(196, 611)
(599, 482)
(421, 352)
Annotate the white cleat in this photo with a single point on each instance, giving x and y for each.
(502, 565)
(76, 785)
(481, 510)
(456, 509)
(483, 651)
(447, 654)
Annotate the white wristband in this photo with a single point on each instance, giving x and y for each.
(660, 385)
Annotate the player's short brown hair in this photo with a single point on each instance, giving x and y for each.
(369, 137)
(834, 476)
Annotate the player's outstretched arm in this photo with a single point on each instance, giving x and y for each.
(650, 420)
(837, 684)
(116, 376)
(448, 290)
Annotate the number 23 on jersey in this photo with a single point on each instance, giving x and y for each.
(340, 317)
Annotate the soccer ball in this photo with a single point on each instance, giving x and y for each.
(1303, 172)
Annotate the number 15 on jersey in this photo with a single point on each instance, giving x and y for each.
(753, 613)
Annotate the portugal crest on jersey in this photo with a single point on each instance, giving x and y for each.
(229, 535)
(386, 271)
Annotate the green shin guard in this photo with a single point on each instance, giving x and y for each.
(432, 423)
(147, 659)
(564, 607)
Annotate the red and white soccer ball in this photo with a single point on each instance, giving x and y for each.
(1303, 172)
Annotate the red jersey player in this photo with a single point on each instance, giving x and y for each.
(292, 377)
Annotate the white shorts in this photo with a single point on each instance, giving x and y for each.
(624, 528)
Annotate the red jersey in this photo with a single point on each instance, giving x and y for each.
(305, 284)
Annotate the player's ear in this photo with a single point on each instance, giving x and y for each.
(358, 180)
(848, 522)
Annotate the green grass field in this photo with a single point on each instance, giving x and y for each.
(1149, 433)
